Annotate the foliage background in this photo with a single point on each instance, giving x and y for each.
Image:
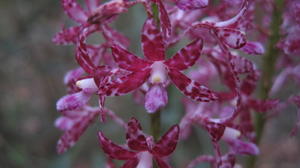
(31, 73)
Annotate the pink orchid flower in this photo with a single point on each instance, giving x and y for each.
(140, 148)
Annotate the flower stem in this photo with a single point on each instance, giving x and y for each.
(268, 70)
(155, 125)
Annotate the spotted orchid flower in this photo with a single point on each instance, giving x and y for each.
(95, 13)
(225, 31)
(156, 69)
(75, 122)
(140, 148)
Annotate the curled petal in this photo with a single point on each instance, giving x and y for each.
(156, 98)
(73, 101)
(107, 11)
(231, 37)
(187, 56)
(164, 19)
(127, 60)
(191, 4)
(67, 36)
(253, 48)
(241, 147)
(167, 143)
(114, 151)
(152, 41)
(71, 136)
(190, 88)
(74, 11)
(136, 140)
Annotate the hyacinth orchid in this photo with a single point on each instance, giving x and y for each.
(156, 69)
(119, 72)
(95, 13)
(142, 148)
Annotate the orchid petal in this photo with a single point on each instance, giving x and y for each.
(164, 19)
(253, 48)
(231, 37)
(128, 83)
(115, 151)
(187, 56)
(155, 98)
(74, 11)
(73, 101)
(167, 143)
(64, 123)
(67, 36)
(136, 140)
(127, 60)
(152, 41)
(71, 136)
(190, 88)
(241, 147)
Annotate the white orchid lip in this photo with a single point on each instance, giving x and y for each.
(87, 83)
(231, 133)
(158, 74)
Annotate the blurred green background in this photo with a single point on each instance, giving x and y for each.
(31, 73)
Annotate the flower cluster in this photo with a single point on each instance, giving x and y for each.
(212, 72)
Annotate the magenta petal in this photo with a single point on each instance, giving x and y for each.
(72, 101)
(71, 136)
(83, 58)
(64, 123)
(161, 163)
(191, 4)
(187, 56)
(215, 130)
(156, 98)
(241, 147)
(167, 143)
(152, 41)
(253, 48)
(114, 151)
(128, 83)
(136, 140)
(231, 37)
(128, 61)
(190, 88)
(67, 36)
(74, 11)
(164, 19)
(73, 75)
(131, 163)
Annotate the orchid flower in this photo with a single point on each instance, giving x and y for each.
(140, 148)
(156, 69)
